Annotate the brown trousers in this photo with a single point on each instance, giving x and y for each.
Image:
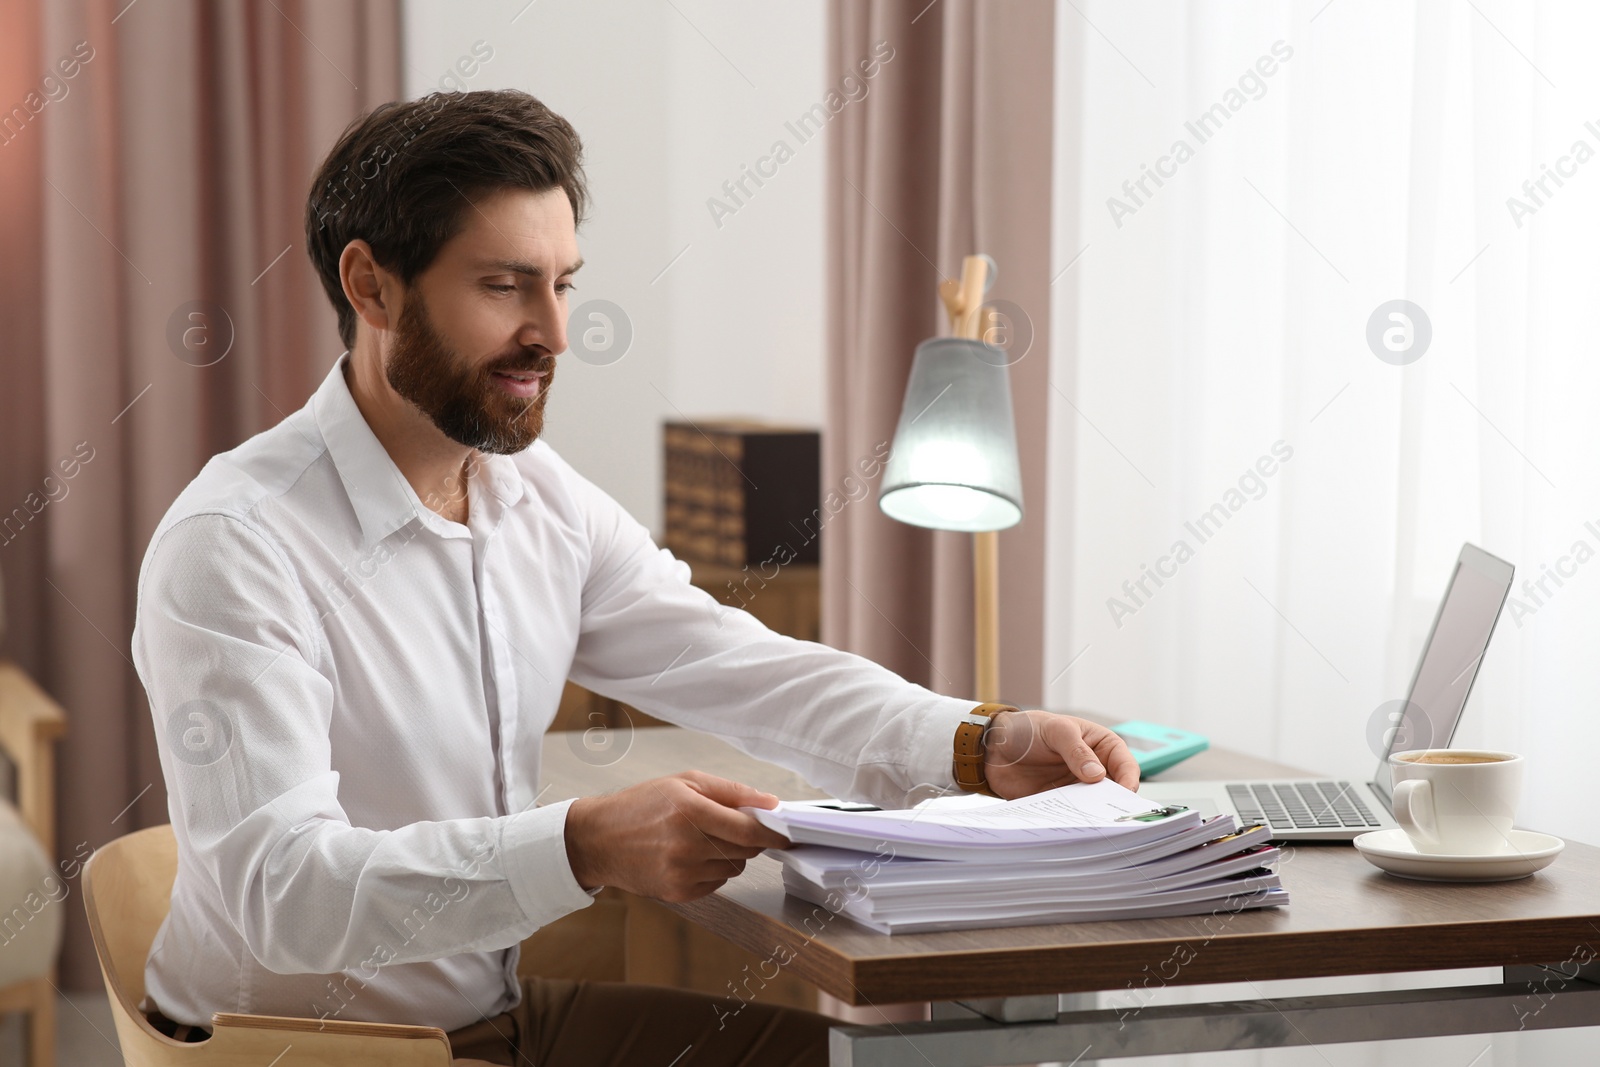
(562, 1023)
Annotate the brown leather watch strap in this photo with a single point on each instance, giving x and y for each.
(968, 764)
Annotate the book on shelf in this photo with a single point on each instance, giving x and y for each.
(741, 492)
(1082, 852)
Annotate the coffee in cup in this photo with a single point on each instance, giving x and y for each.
(1458, 802)
(1450, 758)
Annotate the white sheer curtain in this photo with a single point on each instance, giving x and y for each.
(1199, 322)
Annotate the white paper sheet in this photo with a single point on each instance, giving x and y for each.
(1082, 816)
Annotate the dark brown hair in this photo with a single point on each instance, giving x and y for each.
(402, 177)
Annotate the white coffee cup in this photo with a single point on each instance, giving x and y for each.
(1462, 805)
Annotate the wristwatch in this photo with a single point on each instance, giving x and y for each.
(970, 731)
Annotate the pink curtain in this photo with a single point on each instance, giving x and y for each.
(167, 312)
(947, 153)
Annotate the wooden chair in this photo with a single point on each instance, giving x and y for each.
(30, 723)
(127, 889)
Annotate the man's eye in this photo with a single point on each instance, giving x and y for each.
(565, 287)
(501, 288)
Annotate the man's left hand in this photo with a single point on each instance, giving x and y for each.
(1029, 751)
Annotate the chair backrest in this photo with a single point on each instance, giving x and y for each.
(127, 890)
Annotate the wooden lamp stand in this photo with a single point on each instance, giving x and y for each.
(963, 301)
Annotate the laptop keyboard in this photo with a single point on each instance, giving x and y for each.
(1301, 805)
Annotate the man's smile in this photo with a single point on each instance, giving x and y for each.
(522, 384)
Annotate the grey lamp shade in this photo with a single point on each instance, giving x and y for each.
(953, 465)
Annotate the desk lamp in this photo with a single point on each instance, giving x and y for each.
(953, 465)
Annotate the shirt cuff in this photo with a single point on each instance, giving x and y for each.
(932, 756)
(534, 844)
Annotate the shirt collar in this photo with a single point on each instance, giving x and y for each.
(382, 498)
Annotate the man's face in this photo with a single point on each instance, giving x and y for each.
(475, 344)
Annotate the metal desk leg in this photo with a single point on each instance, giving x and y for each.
(1037, 1008)
(1074, 1002)
(1553, 997)
(1003, 1009)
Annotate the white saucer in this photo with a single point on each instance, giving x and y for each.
(1393, 851)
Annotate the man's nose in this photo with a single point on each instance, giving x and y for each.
(546, 326)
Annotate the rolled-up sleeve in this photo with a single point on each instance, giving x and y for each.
(229, 649)
(651, 639)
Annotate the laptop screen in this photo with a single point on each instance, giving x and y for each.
(1450, 656)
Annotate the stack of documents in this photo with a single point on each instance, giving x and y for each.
(1077, 853)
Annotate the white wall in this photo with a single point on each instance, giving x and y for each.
(671, 100)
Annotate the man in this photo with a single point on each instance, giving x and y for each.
(354, 629)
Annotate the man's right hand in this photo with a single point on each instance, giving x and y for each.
(675, 838)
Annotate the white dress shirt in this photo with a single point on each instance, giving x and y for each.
(351, 693)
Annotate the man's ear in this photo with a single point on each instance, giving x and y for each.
(367, 285)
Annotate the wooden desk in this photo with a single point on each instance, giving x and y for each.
(1345, 917)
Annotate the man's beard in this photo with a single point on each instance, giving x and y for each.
(464, 402)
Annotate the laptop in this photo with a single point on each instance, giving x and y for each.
(1332, 810)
